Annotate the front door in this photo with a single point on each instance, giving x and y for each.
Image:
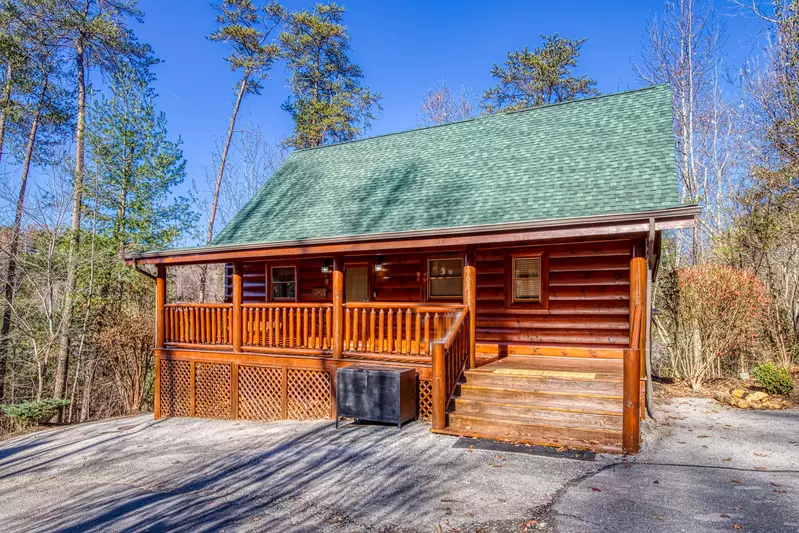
(356, 283)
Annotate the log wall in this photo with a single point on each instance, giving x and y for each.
(588, 284)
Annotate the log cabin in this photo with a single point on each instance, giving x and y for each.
(507, 259)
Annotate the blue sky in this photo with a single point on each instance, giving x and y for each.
(404, 47)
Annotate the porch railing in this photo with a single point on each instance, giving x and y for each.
(196, 323)
(395, 330)
(450, 358)
(294, 326)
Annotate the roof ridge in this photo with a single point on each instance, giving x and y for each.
(485, 117)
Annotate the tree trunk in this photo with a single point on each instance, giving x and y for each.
(215, 203)
(4, 112)
(62, 363)
(11, 269)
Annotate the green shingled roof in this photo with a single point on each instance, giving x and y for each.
(606, 155)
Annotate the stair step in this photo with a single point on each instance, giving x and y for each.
(601, 439)
(611, 386)
(600, 403)
(525, 412)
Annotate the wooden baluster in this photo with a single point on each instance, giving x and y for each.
(283, 327)
(291, 328)
(355, 317)
(408, 329)
(256, 325)
(380, 329)
(266, 327)
(399, 331)
(207, 326)
(269, 328)
(305, 339)
(298, 316)
(427, 334)
(273, 335)
(211, 324)
(347, 329)
(222, 326)
(210, 327)
(329, 325)
(437, 327)
(194, 327)
(372, 317)
(312, 341)
(364, 339)
(418, 347)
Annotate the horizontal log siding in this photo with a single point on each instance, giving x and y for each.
(254, 280)
(589, 298)
(400, 279)
(589, 294)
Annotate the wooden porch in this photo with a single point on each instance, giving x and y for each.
(277, 360)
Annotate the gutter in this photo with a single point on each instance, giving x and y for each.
(662, 217)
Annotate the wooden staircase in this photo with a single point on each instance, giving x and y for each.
(553, 401)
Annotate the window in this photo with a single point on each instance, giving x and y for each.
(445, 278)
(284, 283)
(527, 279)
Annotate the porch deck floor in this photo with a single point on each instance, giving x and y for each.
(604, 369)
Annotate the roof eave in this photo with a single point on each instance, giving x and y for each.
(663, 219)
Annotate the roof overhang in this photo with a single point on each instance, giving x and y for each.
(506, 233)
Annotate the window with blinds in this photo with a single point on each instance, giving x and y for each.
(356, 284)
(445, 278)
(527, 279)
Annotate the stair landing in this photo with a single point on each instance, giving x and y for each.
(552, 401)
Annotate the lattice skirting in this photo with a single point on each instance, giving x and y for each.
(252, 392)
(175, 384)
(425, 400)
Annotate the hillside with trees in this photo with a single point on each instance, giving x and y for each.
(79, 112)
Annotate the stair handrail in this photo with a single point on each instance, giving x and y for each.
(450, 357)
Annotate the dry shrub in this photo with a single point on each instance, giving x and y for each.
(127, 345)
(712, 312)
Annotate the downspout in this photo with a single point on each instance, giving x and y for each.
(140, 270)
(650, 266)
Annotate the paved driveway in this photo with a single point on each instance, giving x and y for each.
(704, 471)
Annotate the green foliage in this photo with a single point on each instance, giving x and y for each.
(246, 29)
(543, 76)
(34, 412)
(328, 103)
(773, 379)
(136, 167)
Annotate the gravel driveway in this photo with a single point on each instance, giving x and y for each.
(705, 468)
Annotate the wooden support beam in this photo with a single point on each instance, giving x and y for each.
(160, 334)
(235, 323)
(234, 391)
(338, 307)
(439, 390)
(470, 300)
(631, 421)
(160, 302)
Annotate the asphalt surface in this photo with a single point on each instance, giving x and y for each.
(704, 468)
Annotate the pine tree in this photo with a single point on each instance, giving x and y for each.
(137, 167)
(329, 102)
(543, 76)
(96, 34)
(246, 30)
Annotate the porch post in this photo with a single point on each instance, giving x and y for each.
(631, 410)
(638, 295)
(338, 307)
(160, 302)
(160, 334)
(235, 322)
(470, 300)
